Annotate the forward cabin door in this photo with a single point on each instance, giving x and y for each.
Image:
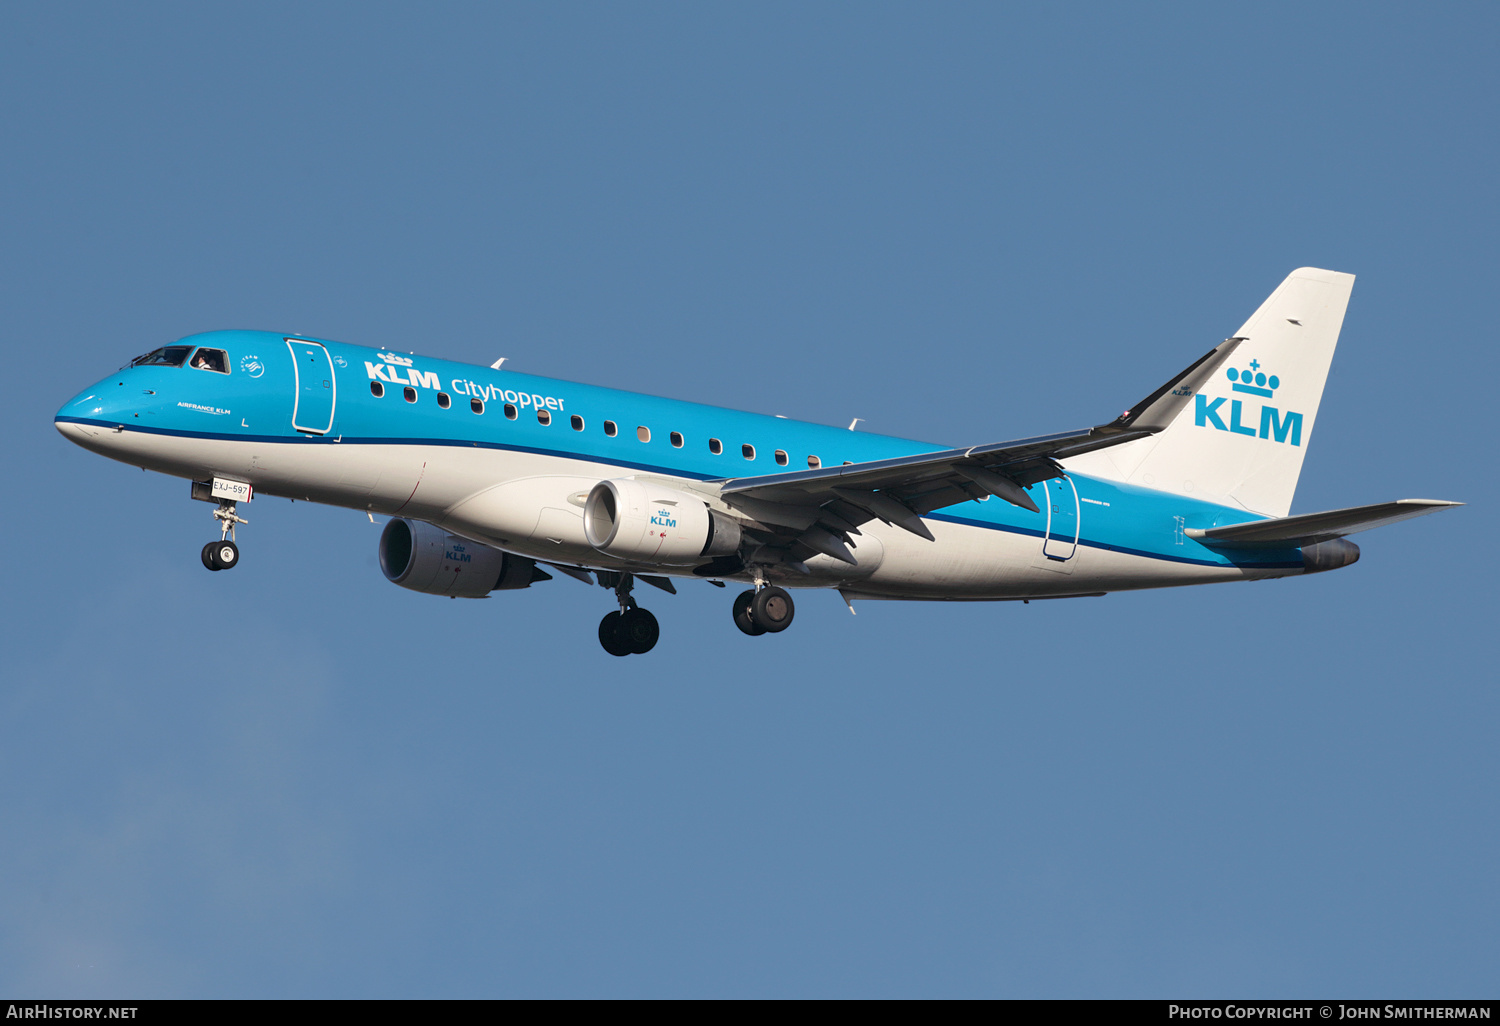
(316, 388)
(1060, 544)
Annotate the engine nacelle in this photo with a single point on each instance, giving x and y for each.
(1329, 555)
(648, 523)
(416, 555)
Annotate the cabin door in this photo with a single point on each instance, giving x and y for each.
(316, 388)
(1061, 541)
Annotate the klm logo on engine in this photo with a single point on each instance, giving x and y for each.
(663, 518)
(1273, 424)
(457, 554)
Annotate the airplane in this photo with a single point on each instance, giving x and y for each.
(488, 475)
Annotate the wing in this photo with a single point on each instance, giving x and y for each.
(1311, 528)
(815, 511)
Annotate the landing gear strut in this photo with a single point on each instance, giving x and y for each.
(224, 554)
(763, 610)
(632, 630)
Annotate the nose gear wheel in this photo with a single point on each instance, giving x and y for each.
(221, 555)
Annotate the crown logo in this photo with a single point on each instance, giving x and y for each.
(1253, 380)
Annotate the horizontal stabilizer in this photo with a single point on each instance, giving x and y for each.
(1311, 528)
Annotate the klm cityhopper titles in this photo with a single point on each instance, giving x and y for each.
(489, 475)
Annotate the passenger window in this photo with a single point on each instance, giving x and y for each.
(577, 422)
(510, 412)
(748, 451)
(781, 457)
(212, 360)
(377, 389)
(814, 462)
(643, 433)
(676, 439)
(715, 446)
(610, 429)
(166, 356)
(477, 405)
(543, 418)
(444, 401)
(410, 394)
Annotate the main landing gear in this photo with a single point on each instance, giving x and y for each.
(632, 630)
(763, 610)
(224, 554)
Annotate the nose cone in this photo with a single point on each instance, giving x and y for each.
(85, 418)
(79, 434)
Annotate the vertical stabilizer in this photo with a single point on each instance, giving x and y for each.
(1242, 439)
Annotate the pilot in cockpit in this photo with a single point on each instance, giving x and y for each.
(210, 360)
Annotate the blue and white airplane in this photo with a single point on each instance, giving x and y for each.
(489, 474)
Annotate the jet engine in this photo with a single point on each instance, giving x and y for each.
(648, 523)
(416, 555)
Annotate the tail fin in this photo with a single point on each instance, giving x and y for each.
(1242, 439)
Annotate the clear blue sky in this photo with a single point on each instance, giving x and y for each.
(963, 223)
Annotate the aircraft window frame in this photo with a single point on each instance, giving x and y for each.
(167, 354)
(611, 428)
(748, 451)
(814, 463)
(409, 394)
(511, 413)
(643, 433)
(577, 422)
(377, 390)
(781, 457)
(218, 356)
(477, 405)
(716, 447)
(443, 401)
(544, 418)
(676, 439)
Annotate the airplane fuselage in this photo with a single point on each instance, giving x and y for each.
(507, 459)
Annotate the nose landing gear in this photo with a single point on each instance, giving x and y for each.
(632, 630)
(224, 554)
(764, 610)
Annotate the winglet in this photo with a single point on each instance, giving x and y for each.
(1161, 407)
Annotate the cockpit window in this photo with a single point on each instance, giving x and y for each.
(166, 356)
(212, 360)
